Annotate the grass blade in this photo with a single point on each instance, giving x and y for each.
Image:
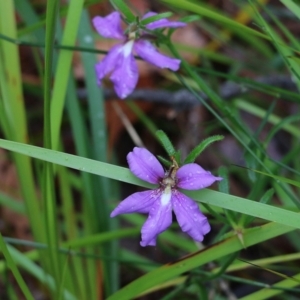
(12, 266)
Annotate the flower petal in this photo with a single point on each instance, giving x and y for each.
(125, 74)
(108, 63)
(149, 53)
(109, 26)
(193, 177)
(162, 23)
(189, 216)
(159, 219)
(140, 202)
(144, 165)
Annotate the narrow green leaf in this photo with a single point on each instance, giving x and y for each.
(101, 186)
(281, 46)
(292, 6)
(47, 181)
(62, 72)
(81, 242)
(202, 11)
(12, 204)
(267, 196)
(124, 9)
(278, 178)
(30, 17)
(15, 117)
(38, 272)
(275, 289)
(177, 156)
(273, 119)
(228, 246)
(165, 161)
(201, 147)
(190, 19)
(156, 18)
(234, 203)
(165, 142)
(63, 278)
(14, 269)
(223, 184)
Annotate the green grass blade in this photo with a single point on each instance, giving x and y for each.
(292, 6)
(12, 204)
(101, 186)
(11, 64)
(157, 17)
(11, 264)
(97, 119)
(30, 17)
(234, 203)
(201, 147)
(283, 49)
(167, 272)
(13, 103)
(165, 142)
(208, 13)
(48, 174)
(278, 178)
(122, 7)
(25, 263)
(267, 293)
(63, 69)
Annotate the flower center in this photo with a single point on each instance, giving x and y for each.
(170, 180)
(168, 183)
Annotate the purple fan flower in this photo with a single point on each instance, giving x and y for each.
(160, 202)
(120, 61)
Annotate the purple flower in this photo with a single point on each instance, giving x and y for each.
(120, 61)
(160, 202)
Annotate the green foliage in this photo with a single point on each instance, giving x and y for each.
(13, 267)
(155, 18)
(165, 142)
(121, 6)
(201, 147)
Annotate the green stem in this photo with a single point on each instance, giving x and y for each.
(48, 186)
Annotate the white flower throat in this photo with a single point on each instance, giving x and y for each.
(127, 48)
(169, 182)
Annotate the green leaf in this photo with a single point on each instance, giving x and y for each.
(164, 161)
(201, 147)
(190, 19)
(156, 18)
(38, 272)
(238, 204)
(12, 203)
(218, 17)
(171, 270)
(267, 196)
(177, 156)
(12, 266)
(277, 178)
(292, 6)
(223, 184)
(49, 201)
(63, 69)
(165, 142)
(124, 9)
